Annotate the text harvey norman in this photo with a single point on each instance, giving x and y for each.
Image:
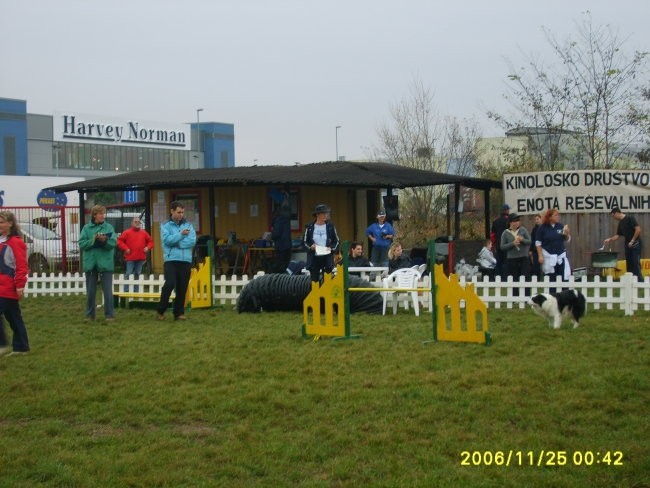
(112, 131)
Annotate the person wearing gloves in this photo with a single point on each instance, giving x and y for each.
(97, 242)
(178, 238)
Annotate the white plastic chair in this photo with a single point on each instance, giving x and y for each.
(420, 268)
(401, 278)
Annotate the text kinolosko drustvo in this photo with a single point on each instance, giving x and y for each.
(577, 178)
(578, 191)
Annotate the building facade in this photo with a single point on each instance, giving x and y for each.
(92, 146)
(557, 150)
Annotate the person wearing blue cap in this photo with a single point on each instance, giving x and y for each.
(381, 235)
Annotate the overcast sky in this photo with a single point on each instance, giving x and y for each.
(284, 72)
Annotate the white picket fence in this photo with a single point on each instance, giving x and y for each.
(225, 290)
(625, 294)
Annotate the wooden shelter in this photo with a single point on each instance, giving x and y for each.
(240, 200)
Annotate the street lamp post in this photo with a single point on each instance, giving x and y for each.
(337, 141)
(56, 148)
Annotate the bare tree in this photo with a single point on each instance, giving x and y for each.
(640, 116)
(605, 88)
(582, 103)
(418, 137)
(459, 144)
(542, 105)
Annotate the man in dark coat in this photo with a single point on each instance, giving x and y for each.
(281, 236)
(498, 226)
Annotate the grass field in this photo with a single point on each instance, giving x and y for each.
(243, 400)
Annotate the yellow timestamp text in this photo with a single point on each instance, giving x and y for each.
(541, 458)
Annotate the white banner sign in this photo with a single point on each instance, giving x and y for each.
(592, 191)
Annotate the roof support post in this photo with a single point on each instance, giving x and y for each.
(456, 212)
(486, 211)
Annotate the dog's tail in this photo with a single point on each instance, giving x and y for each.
(580, 308)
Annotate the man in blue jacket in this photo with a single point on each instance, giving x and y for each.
(381, 234)
(178, 238)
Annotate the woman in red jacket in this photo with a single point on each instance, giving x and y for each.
(13, 277)
(135, 243)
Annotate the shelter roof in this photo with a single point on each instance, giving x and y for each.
(332, 173)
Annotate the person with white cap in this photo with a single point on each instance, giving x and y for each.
(321, 241)
(381, 234)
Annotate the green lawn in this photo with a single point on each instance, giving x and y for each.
(243, 400)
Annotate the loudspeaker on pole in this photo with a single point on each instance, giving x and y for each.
(391, 206)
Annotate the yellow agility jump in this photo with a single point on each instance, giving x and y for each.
(451, 321)
(328, 303)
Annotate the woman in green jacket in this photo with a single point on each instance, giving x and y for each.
(97, 242)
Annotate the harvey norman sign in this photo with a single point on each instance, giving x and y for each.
(592, 191)
(70, 127)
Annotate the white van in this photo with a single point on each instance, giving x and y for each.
(45, 249)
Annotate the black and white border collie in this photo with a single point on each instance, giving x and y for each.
(555, 306)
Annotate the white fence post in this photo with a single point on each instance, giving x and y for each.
(627, 287)
(626, 294)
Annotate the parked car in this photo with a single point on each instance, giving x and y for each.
(45, 249)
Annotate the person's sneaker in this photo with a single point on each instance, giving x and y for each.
(89, 319)
(5, 350)
(110, 319)
(17, 353)
(160, 317)
(180, 317)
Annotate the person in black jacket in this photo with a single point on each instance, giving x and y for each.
(498, 227)
(356, 257)
(396, 258)
(281, 236)
(321, 241)
(535, 269)
(630, 230)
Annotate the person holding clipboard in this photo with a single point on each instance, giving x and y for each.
(321, 242)
(97, 242)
